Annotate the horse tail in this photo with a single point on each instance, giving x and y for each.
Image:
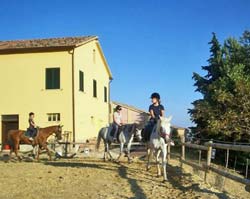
(99, 139)
(10, 141)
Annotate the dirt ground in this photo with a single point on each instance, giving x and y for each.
(92, 178)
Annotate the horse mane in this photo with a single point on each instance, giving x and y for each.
(49, 127)
(129, 127)
(158, 126)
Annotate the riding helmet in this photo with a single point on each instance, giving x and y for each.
(155, 95)
(118, 107)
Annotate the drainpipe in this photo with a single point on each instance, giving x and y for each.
(73, 92)
(110, 106)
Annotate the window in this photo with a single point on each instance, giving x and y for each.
(94, 88)
(52, 78)
(105, 94)
(54, 117)
(81, 81)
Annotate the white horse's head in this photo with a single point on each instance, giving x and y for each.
(164, 127)
(137, 131)
(138, 134)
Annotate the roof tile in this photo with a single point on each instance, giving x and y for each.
(42, 43)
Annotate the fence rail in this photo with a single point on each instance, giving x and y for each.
(229, 147)
(195, 146)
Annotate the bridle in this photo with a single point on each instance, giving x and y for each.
(58, 132)
(135, 131)
(164, 134)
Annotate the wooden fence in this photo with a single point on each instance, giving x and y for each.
(208, 166)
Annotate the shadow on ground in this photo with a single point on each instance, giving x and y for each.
(179, 180)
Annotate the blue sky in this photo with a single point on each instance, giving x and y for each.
(150, 45)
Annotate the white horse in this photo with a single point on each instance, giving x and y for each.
(157, 145)
(126, 136)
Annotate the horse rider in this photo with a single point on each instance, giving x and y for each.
(156, 110)
(117, 122)
(32, 126)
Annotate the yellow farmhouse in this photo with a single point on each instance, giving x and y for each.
(62, 80)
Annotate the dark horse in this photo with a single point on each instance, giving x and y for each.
(15, 137)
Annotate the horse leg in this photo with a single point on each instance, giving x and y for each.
(10, 155)
(105, 152)
(158, 163)
(48, 151)
(35, 150)
(129, 147)
(15, 146)
(38, 152)
(11, 151)
(164, 162)
(111, 158)
(149, 154)
(121, 151)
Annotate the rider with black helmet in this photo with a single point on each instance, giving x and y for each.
(156, 109)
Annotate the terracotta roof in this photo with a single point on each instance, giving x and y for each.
(45, 43)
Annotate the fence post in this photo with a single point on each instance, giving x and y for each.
(169, 151)
(209, 153)
(209, 156)
(183, 147)
(199, 157)
(247, 168)
(227, 158)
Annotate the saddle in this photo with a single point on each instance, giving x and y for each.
(27, 133)
(146, 133)
(30, 133)
(112, 133)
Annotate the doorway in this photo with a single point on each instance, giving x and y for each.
(9, 122)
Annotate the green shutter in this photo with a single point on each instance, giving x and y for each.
(81, 81)
(48, 78)
(52, 78)
(105, 94)
(94, 88)
(56, 78)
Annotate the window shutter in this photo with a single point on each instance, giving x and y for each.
(52, 78)
(94, 88)
(81, 81)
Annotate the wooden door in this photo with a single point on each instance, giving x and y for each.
(6, 126)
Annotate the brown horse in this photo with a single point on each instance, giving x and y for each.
(15, 137)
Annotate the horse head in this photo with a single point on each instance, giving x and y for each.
(138, 134)
(136, 131)
(58, 132)
(132, 130)
(164, 127)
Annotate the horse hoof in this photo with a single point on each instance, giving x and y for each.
(165, 180)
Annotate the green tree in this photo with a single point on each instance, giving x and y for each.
(224, 110)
